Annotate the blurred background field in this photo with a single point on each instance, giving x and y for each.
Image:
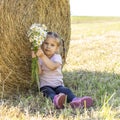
(85, 26)
(92, 68)
(94, 19)
(94, 58)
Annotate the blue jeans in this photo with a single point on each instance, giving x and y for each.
(50, 92)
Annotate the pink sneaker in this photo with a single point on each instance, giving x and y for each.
(59, 100)
(84, 102)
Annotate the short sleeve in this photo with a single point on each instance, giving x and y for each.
(57, 58)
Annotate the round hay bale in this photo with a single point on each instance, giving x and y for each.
(15, 19)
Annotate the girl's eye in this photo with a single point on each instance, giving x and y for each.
(52, 45)
(46, 43)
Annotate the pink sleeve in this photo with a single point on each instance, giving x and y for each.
(57, 58)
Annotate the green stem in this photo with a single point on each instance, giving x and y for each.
(35, 74)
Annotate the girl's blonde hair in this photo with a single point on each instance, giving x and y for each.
(54, 35)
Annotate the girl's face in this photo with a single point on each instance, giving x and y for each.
(50, 47)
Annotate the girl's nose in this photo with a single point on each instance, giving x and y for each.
(48, 46)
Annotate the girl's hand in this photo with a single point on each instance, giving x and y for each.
(33, 54)
(40, 53)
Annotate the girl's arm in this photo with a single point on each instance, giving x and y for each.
(50, 64)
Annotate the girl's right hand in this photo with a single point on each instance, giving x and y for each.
(33, 54)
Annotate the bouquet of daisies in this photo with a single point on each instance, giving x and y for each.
(37, 33)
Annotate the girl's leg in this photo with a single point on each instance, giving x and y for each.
(48, 92)
(67, 91)
(58, 100)
(83, 102)
(74, 101)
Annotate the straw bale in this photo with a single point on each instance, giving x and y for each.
(16, 16)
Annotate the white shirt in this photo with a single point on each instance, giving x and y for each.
(49, 77)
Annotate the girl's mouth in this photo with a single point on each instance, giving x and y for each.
(47, 50)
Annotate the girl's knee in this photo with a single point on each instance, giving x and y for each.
(67, 90)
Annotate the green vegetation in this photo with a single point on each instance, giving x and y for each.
(90, 19)
(92, 68)
(94, 26)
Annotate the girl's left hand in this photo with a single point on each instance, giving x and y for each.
(40, 53)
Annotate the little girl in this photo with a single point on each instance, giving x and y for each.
(51, 78)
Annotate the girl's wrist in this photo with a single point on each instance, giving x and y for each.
(33, 55)
(41, 56)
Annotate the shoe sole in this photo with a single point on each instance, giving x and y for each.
(84, 102)
(61, 101)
